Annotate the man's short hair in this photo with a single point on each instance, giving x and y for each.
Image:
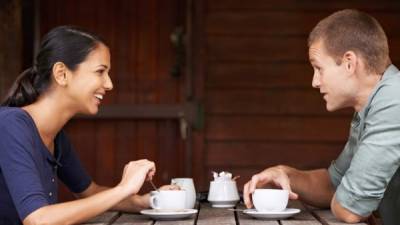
(352, 30)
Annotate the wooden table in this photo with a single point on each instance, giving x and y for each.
(213, 216)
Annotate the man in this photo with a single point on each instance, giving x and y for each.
(350, 56)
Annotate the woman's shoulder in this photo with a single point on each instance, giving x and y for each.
(12, 116)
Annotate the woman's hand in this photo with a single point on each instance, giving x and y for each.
(134, 175)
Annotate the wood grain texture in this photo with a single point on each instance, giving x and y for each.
(186, 221)
(245, 219)
(293, 5)
(103, 219)
(266, 49)
(268, 101)
(248, 75)
(132, 218)
(276, 128)
(265, 154)
(330, 219)
(209, 215)
(11, 45)
(282, 23)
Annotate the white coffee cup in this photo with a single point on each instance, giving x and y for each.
(270, 199)
(187, 185)
(168, 199)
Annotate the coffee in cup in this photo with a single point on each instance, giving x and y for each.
(270, 199)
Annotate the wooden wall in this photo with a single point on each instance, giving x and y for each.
(260, 107)
(10, 43)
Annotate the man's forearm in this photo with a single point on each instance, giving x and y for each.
(313, 187)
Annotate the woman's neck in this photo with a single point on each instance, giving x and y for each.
(50, 116)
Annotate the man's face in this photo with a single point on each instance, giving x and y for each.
(332, 80)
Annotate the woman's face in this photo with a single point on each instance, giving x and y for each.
(90, 81)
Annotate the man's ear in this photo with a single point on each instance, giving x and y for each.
(60, 73)
(350, 61)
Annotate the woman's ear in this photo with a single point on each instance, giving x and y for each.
(60, 73)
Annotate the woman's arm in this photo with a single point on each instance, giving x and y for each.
(81, 210)
(133, 203)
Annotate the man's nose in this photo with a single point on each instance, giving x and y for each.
(315, 81)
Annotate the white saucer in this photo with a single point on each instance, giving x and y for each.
(288, 212)
(167, 214)
(223, 204)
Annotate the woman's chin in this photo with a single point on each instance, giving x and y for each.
(94, 111)
(90, 111)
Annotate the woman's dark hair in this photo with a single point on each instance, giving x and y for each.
(66, 44)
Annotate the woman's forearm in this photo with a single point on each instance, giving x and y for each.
(133, 203)
(77, 211)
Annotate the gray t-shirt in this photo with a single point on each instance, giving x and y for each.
(371, 156)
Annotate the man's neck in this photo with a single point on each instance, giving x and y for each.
(367, 84)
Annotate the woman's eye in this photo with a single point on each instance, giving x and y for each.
(100, 71)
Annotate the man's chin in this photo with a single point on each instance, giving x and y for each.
(331, 108)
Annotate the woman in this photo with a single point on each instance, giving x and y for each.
(71, 76)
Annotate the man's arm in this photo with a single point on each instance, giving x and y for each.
(344, 214)
(302, 181)
(312, 187)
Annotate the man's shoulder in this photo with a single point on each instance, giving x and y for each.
(389, 88)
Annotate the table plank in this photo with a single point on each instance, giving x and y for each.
(103, 219)
(209, 215)
(187, 221)
(177, 222)
(303, 218)
(248, 220)
(133, 218)
(327, 217)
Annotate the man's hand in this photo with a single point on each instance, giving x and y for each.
(275, 176)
